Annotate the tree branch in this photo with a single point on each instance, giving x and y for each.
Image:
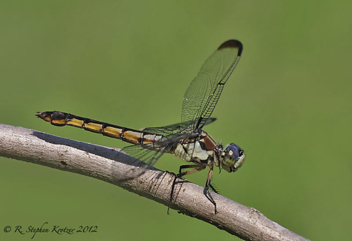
(113, 166)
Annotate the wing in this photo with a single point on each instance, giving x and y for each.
(141, 153)
(150, 153)
(171, 129)
(204, 91)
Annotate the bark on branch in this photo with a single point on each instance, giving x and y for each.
(113, 166)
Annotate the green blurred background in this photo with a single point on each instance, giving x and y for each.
(129, 62)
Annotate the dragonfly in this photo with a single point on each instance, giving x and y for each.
(186, 140)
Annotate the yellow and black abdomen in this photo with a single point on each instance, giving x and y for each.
(129, 135)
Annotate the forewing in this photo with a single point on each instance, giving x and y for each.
(204, 91)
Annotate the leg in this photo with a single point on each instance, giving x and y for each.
(211, 186)
(196, 168)
(206, 189)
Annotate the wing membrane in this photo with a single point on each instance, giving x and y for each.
(171, 129)
(204, 91)
(151, 152)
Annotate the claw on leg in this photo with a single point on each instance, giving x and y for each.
(196, 168)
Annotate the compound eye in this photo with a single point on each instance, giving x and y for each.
(233, 150)
(233, 157)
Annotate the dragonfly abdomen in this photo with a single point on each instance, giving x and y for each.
(129, 135)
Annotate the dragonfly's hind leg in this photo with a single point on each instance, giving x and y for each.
(196, 168)
(213, 188)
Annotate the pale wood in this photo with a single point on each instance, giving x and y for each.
(113, 166)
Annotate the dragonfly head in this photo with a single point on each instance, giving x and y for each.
(232, 157)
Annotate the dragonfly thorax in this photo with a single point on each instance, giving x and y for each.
(199, 149)
(192, 152)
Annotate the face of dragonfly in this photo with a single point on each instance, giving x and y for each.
(232, 157)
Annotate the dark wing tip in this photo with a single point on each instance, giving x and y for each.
(232, 43)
